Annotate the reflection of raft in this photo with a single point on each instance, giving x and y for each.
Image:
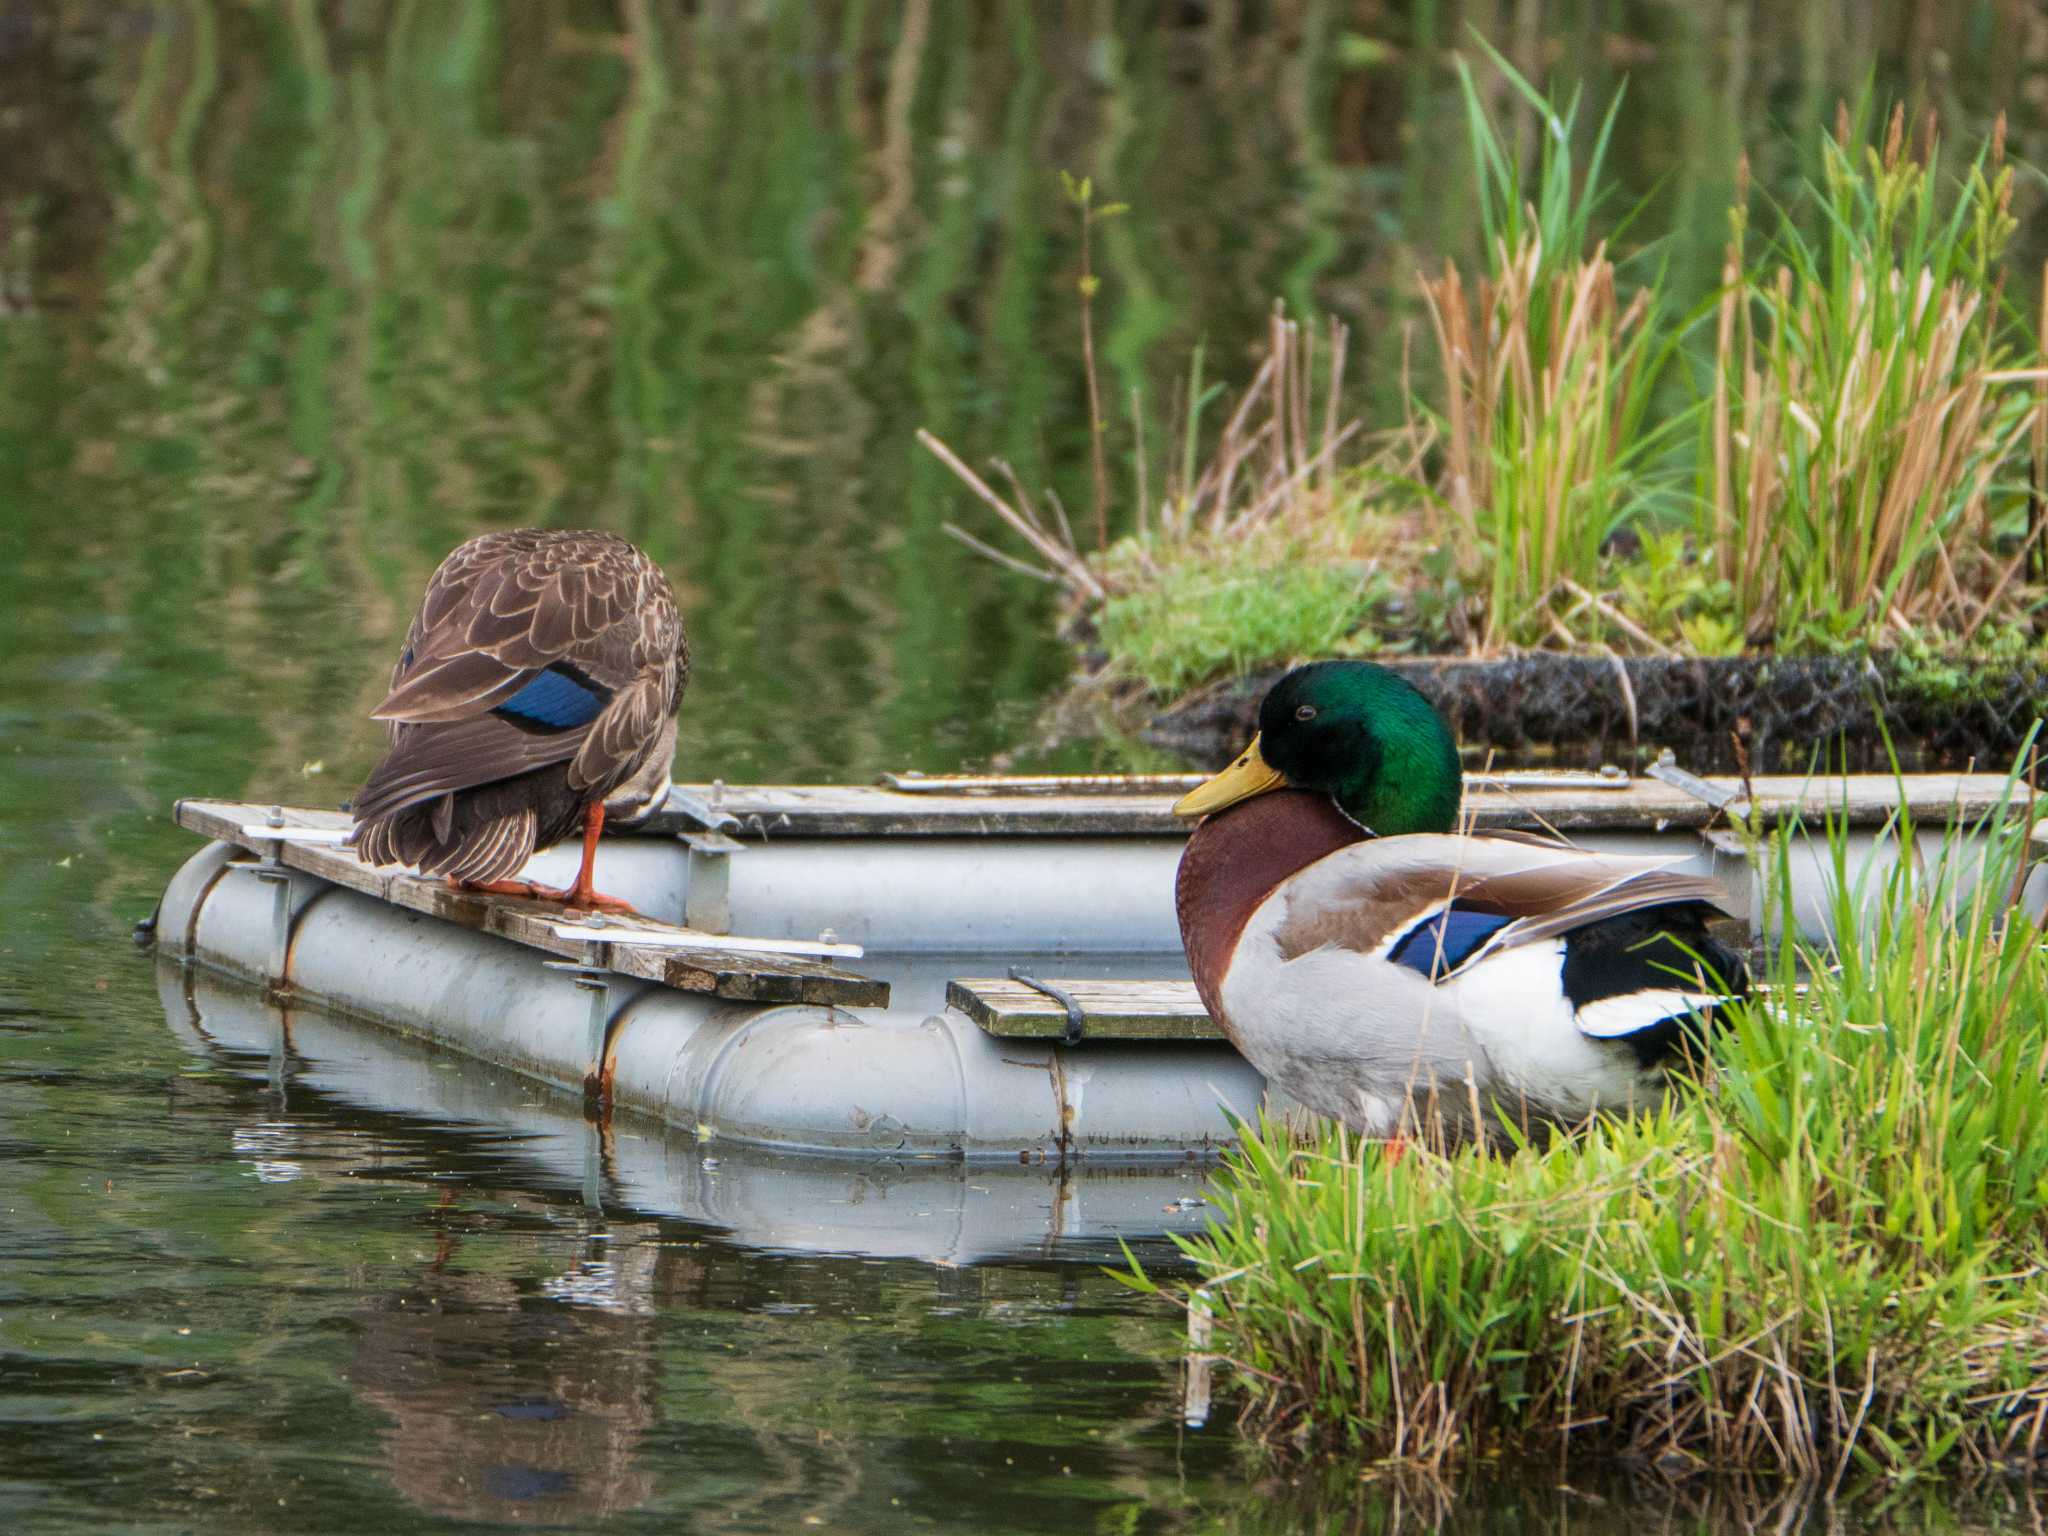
(870, 1009)
(924, 1208)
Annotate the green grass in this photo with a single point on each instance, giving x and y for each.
(1829, 1263)
(1874, 405)
(1546, 365)
(1218, 617)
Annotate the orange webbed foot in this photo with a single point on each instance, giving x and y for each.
(570, 897)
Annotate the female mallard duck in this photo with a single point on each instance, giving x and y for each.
(539, 681)
(1371, 960)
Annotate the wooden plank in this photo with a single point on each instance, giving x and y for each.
(913, 782)
(1112, 1010)
(748, 977)
(766, 812)
(769, 811)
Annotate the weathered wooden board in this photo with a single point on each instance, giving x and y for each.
(747, 977)
(1112, 1010)
(765, 812)
(768, 811)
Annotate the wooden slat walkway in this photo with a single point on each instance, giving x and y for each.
(1045, 807)
(1111, 1010)
(671, 956)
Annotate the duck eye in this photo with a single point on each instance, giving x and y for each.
(1306, 712)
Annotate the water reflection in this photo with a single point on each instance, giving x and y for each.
(1534, 1500)
(498, 1410)
(532, 1331)
(935, 1210)
(537, 1329)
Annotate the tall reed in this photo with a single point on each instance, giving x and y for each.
(1547, 371)
(1873, 405)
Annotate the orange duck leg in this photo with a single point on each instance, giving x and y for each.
(580, 895)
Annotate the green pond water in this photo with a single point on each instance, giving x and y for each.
(292, 298)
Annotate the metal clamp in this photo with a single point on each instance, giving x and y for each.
(1076, 1019)
(597, 983)
(270, 871)
(1729, 802)
(707, 893)
(707, 814)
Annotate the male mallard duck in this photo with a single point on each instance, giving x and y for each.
(1367, 957)
(539, 680)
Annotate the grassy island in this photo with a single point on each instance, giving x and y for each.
(1830, 1261)
(1837, 450)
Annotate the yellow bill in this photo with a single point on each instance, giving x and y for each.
(1250, 775)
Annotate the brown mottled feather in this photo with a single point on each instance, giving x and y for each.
(470, 794)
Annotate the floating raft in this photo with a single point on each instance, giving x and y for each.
(688, 959)
(973, 968)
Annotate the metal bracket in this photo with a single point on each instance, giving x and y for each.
(1606, 776)
(1729, 802)
(1076, 1019)
(597, 983)
(598, 929)
(706, 813)
(911, 782)
(270, 870)
(707, 904)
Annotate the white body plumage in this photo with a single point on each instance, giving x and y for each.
(1316, 1000)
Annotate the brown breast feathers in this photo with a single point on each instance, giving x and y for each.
(1233, 862)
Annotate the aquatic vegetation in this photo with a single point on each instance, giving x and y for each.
(1876, 409)
(1827, 1262)
(1839, 447)
(1546, 445)
(1263, 546)
(1195, 620)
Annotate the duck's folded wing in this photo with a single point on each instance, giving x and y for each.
(1546, 903)
(633, 726)
(424, 764)
(496, 616)
(1444, 903)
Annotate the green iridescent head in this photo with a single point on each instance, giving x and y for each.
(1357, 733)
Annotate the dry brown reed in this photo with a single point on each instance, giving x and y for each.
(1272, 469)
(1868, 421)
